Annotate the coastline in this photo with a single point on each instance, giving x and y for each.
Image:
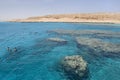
(97, 22)
(104, 18)
(92, 23)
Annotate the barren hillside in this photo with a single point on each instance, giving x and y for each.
(88, 17)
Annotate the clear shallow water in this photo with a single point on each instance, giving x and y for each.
(37, 59)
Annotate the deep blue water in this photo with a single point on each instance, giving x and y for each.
(37, 59)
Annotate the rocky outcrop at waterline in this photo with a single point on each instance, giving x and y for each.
(104, 48)
(75, 66)
(93, 33)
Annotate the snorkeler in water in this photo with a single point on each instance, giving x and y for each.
(15, 49)
(8, 49)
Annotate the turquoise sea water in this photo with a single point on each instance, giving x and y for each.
(37, 59)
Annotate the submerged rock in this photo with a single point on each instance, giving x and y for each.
(93, 33)
(75, 66)
(57, 40)
(98, 45)
(44, 46)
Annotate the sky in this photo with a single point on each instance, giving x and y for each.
(12, 9)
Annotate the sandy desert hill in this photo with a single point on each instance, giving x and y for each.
(87, 17)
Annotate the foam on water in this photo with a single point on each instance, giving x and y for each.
(38, 59)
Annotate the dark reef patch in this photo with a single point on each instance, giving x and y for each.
(98, 47)
(45, 46)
